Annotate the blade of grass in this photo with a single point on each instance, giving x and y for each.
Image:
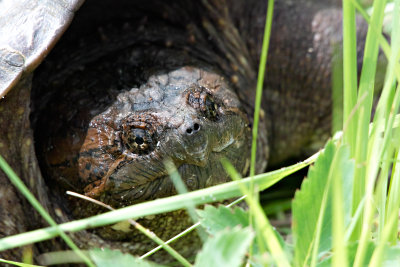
(19, 263)
(262, 224)
(364, 115)
(342, 174)
(393, 200)
(140, 228)
(260, 83)
(355, 218)
(377, 256)
(35, 203)
(257, 104)
(181, 188)
(384, 45)
(381, 196)
(191, 228)
(337, 90)
(350, 94)
(349, 72)
(390, 105)
(207, 195)
(376, 145)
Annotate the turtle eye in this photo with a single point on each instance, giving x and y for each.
(210, 108)
(137, 141)
(203, 101)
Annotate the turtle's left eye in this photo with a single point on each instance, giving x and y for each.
(137, 141)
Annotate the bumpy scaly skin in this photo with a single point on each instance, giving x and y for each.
(94, 121)
(187, 116)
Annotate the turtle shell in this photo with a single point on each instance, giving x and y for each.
(28, 31)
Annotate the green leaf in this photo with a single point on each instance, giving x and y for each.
(107, 257)
(306, 208)
(217, 219)
(314, 200)
(226, 248)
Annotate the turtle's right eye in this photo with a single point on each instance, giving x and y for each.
(201, 99)
(137, 141)
(210, 108)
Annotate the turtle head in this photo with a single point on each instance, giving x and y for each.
(188, 117)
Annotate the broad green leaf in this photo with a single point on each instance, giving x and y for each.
(306, 208)
(217, 219)
(225, 248)
(341, 175)
(107, 257)
(309, 202)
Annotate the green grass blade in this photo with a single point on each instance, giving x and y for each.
(18, 263)
(341, 176)
(366, 90)
(393, 204)
(377, 256)
(260, 83)
(35, 203)
(377, 146)
(350, 93)
(188, 230)
(349, 72)
(337, 90)
(181, 189)
(312, 207)
(259, 89)
(389, 105)
(207, 195)
(263, 226)
(383, 119)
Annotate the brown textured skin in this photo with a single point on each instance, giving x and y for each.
(144, 39)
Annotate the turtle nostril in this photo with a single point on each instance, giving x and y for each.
(194, 129)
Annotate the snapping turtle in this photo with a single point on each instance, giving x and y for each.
(134, 83)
